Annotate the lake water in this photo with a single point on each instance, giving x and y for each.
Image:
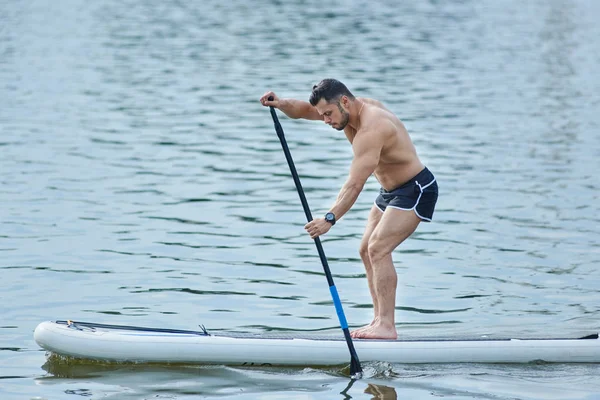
(142, 183)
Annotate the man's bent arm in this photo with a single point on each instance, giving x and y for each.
(346, 198)
(299, 109)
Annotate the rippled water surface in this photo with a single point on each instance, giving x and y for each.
(142, 183)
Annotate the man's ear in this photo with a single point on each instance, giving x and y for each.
(345, 102)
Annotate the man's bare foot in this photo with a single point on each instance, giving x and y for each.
(362, 328)
(376, 331)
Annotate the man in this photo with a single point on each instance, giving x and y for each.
(381, 146)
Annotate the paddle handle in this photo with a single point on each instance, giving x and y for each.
(355, 368)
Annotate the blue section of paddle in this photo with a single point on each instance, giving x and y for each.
(338, 307)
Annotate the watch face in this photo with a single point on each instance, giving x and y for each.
(329, 217)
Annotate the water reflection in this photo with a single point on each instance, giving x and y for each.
(381, 392)
(378, 391)
(98, 378)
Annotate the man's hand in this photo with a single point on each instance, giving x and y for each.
(317, 227)
(264, 100)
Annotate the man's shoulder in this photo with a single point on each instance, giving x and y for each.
(381, 119)
(372, 132)
(378, 119)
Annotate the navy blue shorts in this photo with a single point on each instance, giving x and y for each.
(419, 194)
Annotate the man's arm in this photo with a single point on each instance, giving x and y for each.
(291, 107)
(367, 147)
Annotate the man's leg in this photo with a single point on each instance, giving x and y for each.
(374, 217)
(393, 228)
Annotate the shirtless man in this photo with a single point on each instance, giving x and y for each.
(381, 146)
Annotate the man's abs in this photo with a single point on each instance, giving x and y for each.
(391, 176)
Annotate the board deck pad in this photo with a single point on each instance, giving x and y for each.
(297, 335)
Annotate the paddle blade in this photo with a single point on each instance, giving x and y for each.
(356, 371)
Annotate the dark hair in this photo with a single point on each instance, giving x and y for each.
(329, 89)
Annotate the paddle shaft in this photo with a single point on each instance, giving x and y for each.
(355, 368)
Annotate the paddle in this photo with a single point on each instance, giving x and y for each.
(355, 368)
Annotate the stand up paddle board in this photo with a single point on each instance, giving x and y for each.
(116, 343)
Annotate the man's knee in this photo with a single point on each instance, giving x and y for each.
(376, 250)
(363, 250)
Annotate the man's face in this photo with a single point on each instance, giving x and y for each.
(333, 114)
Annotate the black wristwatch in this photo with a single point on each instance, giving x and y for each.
(330, 217)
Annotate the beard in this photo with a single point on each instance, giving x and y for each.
(345, 118)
